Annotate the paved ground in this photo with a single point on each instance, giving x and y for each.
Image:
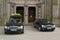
(31, 34)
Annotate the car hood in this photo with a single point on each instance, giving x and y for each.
(48, 24)
(17, 24)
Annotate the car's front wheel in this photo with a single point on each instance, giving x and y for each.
(39, 28)
(21, 32)
(34, 26)
(52, 30)
(6, 32)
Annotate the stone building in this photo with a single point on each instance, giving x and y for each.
(32, 9)
(56, 14)
(29, 9)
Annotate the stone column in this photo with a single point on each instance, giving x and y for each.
(43, 8)
(25, 14)
(55, 12)
(48, 10)
(12, 7)
(37, 12)
(1, 9)
(39, 9)
(1, 12)
(59, 11)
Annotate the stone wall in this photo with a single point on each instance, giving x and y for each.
(48, 10)
(3, 14)
(56, 13)
(59, 11)
(1, 9)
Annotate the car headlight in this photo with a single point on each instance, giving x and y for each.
(21, 27)
(43, 25)
(53, 26)
(6, 27)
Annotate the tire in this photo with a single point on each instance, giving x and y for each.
(39, 28)
(52, 30)
(34, 26)
(6, 32)
(21, 32)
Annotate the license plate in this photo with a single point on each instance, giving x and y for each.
(48, 28)
(13, 30)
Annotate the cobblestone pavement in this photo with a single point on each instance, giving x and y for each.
(31, 33)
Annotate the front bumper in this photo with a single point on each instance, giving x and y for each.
(47, 29)
(13, 31)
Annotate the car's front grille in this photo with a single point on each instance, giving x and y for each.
(48, 25)
(13, 27)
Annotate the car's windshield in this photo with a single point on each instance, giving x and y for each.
(17, 20)
(43, 21)
(13, 22)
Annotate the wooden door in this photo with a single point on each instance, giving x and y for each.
(31, 14)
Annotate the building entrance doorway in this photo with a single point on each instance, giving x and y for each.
(20, 10)
(31, 14)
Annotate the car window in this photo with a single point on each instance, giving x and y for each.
(43, 21)
(13, 22)
(18, 20)
(15, 17)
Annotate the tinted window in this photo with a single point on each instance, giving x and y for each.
(15, 17)
(43, 21)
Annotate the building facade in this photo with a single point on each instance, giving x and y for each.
(29, 9)
(32, 9)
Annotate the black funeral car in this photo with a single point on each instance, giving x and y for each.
(14, 25)
(44, 25)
